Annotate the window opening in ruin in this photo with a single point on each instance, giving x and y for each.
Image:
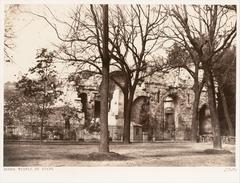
(97, 109)
(83, 97)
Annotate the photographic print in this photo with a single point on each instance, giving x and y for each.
(120, 85)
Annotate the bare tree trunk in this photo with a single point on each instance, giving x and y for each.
(126, 127)
(104, 141)
(225, 110)
(195, 122)
(217, 144)
(127, 117)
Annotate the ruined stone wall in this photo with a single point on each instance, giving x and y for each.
(176, 84)
(160, 88)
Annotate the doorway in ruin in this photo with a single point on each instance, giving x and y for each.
(140, 115)
(205, 125)
(168, 125)
(97, 109)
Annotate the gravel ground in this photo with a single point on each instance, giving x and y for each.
(162, 154)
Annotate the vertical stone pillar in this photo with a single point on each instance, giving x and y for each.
(160, 121)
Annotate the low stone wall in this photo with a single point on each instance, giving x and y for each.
(115, 132)
(228, 139)
(225, 139)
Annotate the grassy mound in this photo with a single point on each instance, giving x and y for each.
(217, 151)
(111, 156)
(98, 156)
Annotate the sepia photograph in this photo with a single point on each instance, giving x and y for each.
(120, 85)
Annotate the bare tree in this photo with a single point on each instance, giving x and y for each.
(223, 72)
(206, 32)
(180, 58)
(10, 12)
(134, 39)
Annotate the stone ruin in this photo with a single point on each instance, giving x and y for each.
(162, 107)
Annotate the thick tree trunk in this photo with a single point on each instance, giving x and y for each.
(217, 144)
(104, 141)
(197, 88)
(127, 117)
(226, 112)
(195, 122)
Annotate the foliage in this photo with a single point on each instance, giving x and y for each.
(69, 113)
(225, 69)
(16, 106)
(43, 91)
(225, 74)
(178, 56)
(94, 127)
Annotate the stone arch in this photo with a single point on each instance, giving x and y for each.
(205, 125)
(172, 93)
(141, 115)
(175, 97)
(140, 111)
(116, 76)
(115, 114)
(170, 114)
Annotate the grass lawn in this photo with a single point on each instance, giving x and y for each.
(162, 154)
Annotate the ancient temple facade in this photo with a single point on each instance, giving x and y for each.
(162, 107)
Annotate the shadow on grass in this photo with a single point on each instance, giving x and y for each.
(195, 153)
(112, 156)
(137, 146)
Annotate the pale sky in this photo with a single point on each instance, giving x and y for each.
(31, 33)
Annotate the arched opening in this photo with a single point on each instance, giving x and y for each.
(205, 125)
(169, 116)
(116, 105)
(141, 115)
(140, 112)
(116, 100)
(83, 97)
